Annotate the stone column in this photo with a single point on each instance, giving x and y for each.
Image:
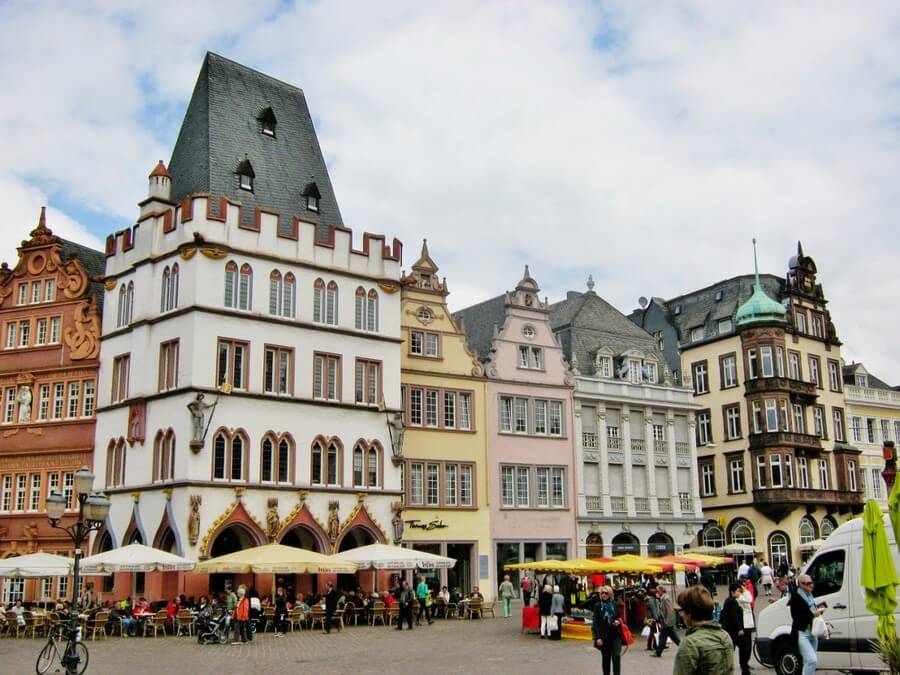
(650, 449)
(626, 452)
(603, 444)
(695, 482)
(581, 502)
(673, 463)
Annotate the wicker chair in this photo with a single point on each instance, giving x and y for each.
(184, 623)
(488, 607)
(269, 618)
(295, 618)
(350, 613)
(34, 624)
(377, 613)
(98, 624)
(474, 608)
(317, 615)
(393, 613)
(15, 629)
(157, 624)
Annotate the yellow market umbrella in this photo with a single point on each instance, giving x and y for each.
(711, 560)
(879, 577)
(275, 559)
(586, 566)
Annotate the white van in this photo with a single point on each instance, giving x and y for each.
(835, 570)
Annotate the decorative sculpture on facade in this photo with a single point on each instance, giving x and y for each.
(334, 520)
(199, 424)
(272, 521)
(194, 519)
(24, 398)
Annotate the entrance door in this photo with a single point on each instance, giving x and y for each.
(460, 575)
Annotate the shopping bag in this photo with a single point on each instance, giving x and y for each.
(820, 628)
(627, 637)
(552, 622)
(645, 632)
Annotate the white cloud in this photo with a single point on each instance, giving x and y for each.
(501, 133)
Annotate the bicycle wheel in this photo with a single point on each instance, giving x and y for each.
(46, 657)
(82, 651)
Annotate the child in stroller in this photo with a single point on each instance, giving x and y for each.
(213, 624)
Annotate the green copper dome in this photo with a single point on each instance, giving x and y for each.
(759, 308)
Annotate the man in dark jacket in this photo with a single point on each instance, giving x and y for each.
(331, 602)
(665, 618)
(732, 620)
(407, 595)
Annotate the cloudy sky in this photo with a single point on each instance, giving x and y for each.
(643, 142)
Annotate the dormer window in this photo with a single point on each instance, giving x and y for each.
(312, 195)
(718, 296)
(245, 175)
(267, 122)
(677, 310)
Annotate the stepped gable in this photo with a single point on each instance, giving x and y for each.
(223, 133)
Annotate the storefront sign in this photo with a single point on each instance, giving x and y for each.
(435, 524)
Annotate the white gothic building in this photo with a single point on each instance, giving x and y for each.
(250, 363)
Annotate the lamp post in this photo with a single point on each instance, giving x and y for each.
(92, 512)
(889, 473)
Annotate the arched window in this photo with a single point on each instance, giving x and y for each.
(807, 530)
(372, 468)
(220, 455)
(659, 544)
(237, 457)
(288, 302)
(157, 455)
(268, 452)
(173, 288)
(129, 302)
(359, 314)
(332, 468)
(372, 311)
(779, 549)
(115, 463)
(625, 542)
(316, 464)
(331, 304)
(594, 545)
(245, 288)
(110, 463)
(285, 462)
(742, 532)
(275, 286)
(713, 536)
(828, 526)
(231, 274)
(169, 456)
(164, 293)
(358, 466)
(122, 308)
(319, 301)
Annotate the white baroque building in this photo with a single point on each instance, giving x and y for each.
(238, 284)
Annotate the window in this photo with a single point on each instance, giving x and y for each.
(55, 324)
(431, 408)
(423, 343)
(24, 333)
(245, 288)
(49, 290)
(728, 371)
(814, 371)
(531, 357)
(34, 494)
(752, 364)
(775, 470)
(803, 471)
(701, 383)
(164, 456)
(520, 416)
(528, 331)
(885, 430)
(789, 470)
(877, 483)
(605, 369)
(267, 122)
(366, 310)
(523, 485)
(245, 175)
(823, 474)
(556, 418)
(707, 479)
(768, 365)
(794, 365)
(799, 419)
(704, 428)
(465, 411)
(724, 326)
(870, 429)
(11, 332)
(126, 299)
(44, 400)
(827, 571)
(40, 337)
(543, 487)
(834, 375)
(557, 487)
(23, 294)
(372, 467)
(635, 374)
(838, 422)
(851, 475)
(231, 283)
(74, 399)
(229, 456)
(35, 292)
(771, 415)
(169, 294)
(278, 375)
(115, 468)
(9, 406)
(506, 406)
(415, 406)
(760, 471)
(819, 421)
(861, 380)
(450, 485)
(326, 377)
(416, 483)
(736, 471)
(697, 334)
(896, 429)
(800, 320)
(449, 417)
(732, 422)
(358, 470)
(368, 381)
(6, 496)
(231, 367)
(818, 325)
(432, 493)
(168, 365)
(331, 304)
(59, 393)
(856, 429)
(13, 587)
(121, 366)
(507, 497)
(277, 460)
(779, 361)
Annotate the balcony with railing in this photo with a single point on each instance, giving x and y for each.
(665, 504)
(613, 442)
(660, 446)
(637, 444)
(779, 502)
(588, 440)
(870, 395)
(789, 439)
(683, 448)
(618, 504)
(786, 384)
(687, 503)
(642, 504)
(594, 503)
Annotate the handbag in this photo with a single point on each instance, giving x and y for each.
(552, 622)
(627, 637)
(645, 632)
(820, 628)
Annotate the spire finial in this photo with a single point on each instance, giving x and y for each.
(424, 248)
(755, 265)
(799, 249)
(42, 220)
(527, 273)
(590, 283)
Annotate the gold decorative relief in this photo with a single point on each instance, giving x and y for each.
(389, 288)
(213, 253)
(83, 337)
(187, 253)
(35, 431)
(110, 283)
(10, 432)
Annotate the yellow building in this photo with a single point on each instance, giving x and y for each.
(873, 416)
(446, 508)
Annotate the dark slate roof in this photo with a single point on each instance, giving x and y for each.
(94, 263)
(849, 373)
(585, 323)
(221, 129)
(700, 308)
(479, 323)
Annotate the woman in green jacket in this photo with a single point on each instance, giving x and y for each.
(507, 592)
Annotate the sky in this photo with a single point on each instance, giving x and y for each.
(644, 143)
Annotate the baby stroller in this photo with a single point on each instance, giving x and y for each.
(212, 626)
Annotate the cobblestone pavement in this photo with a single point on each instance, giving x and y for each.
(485, 646)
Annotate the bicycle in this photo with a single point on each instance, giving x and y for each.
(52, 652)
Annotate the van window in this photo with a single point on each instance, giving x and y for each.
(827, 572)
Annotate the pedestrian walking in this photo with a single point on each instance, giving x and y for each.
(737, 620)
(241, 615)
(422, 594)
(607, 631)
(507, 593)
(331, 602)
(280, 612)
(803, 611)
(557, 610)
(544, 602)
(406, 600)
(526, 590)
(665, 618)
(767, 578)
(707, 648)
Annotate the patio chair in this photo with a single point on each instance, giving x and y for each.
(451, 610)
(350, 613)
(439, 608)
(377, 613)
(393, 613)
(157, 624)
(269, 619)
(98, 624)
(488, 607)
(295, 618)
(14, 628)
(339, 618)
(184, 623)
(317, 615)
(114, 625)
(474, 608)
(34, 624)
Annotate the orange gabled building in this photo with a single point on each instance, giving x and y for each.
(49, 359)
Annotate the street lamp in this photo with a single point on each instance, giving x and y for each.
(92, 512)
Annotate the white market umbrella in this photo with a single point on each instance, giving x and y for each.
(135, 558)
(812, 545)
(704, 550)
(37, 565)
(739, 549)
(387, 557)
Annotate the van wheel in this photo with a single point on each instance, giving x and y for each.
(787, 660)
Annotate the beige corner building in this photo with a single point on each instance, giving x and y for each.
(776, 469)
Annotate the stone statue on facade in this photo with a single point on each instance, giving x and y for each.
(194, 519)
(272, 521)
(24, 399)
(198, 410)
(397, 521)
(334, 520)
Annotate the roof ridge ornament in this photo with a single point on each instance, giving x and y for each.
(590, 283)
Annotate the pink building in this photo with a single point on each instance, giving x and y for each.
(530, 426)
